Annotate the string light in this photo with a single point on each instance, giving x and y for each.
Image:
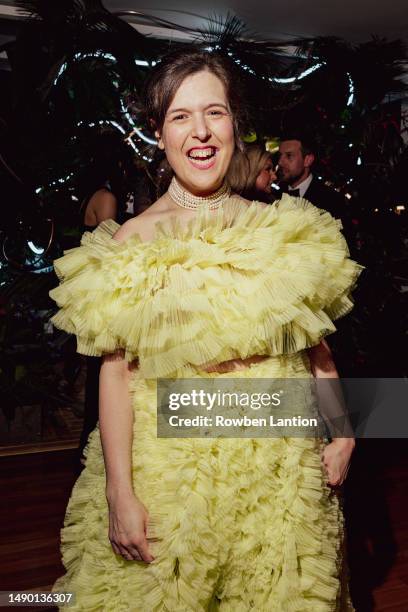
(136, 149)
(242, 66)
(143, 137)
(144, 63)
(351, 90)
(279, 80)
(97, 55)
(60, 181)
(301, 76)
(43, 270)
(116, 125)
(134, 126)
(81, 56)
(35, 249)
(136, 130)
(128, 138)
(289, 80)
(55, 183)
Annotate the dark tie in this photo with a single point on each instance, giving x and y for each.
(294, 192)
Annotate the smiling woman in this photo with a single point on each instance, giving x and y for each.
(198, 133)
(201, 285)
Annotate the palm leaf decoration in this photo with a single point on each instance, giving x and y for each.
(222, 31)
(42, 9)
(62, 74)
(230, 35)
(375, 67)
(61, 30)
(387, 60)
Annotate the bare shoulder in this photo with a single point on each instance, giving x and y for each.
(102, 206)
(101, 196)
(143, 224)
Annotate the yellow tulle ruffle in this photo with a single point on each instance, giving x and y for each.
(239, 281)
(239, 524)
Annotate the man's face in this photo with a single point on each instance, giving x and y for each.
(293, 166)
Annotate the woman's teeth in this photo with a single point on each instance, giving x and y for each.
(202, 154)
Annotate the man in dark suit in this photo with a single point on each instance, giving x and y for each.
(296, 158)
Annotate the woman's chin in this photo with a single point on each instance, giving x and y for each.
(201, 185)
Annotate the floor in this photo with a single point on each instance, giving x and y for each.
(35, 489)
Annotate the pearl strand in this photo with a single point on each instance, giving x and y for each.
(185, 199)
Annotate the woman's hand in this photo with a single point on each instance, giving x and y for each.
(128, 522)
(336, 455)
(336, 459)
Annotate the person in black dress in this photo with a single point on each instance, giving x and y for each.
(106, 194)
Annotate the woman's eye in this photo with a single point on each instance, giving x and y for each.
(215, 112)
(179, 117)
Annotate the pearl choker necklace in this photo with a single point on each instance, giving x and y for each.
(185, 199)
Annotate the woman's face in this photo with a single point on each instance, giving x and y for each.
(266, 177)
(198, 133)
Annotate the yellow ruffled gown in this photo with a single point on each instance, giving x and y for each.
(242, 524)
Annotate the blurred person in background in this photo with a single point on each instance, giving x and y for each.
(104, 187)
(297, 154)
(251, 173)
(107, 194)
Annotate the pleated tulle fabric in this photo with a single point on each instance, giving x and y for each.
(241, 524)
(239, 281)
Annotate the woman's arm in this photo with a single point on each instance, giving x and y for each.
(116, 423)
(115, 413)
(128, 518)
(322, 362)
(336, 455)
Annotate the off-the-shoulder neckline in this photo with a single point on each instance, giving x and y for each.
(223, 217)
(207, 223)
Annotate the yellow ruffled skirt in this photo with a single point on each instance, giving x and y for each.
(242, 524)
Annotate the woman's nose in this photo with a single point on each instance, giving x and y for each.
(200, 128)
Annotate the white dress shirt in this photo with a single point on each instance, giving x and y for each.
(303, 186)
